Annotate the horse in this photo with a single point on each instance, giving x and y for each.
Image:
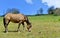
(16, 18)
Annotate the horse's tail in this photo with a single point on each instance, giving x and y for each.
(4, 21)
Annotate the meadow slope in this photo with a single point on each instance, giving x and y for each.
(42, 27)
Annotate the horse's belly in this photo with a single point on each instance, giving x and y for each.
(15, 21)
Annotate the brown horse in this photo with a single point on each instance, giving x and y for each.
(16, 18)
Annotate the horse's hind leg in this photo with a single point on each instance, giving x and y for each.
(6, 22)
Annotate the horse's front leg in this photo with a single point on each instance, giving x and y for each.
(23, 25)
(18, 27)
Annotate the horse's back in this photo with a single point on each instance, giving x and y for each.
(15, 17)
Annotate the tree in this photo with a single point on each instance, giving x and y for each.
(13, 10)
(57, 11)
(50, 10)
(39, 11)
(54, 11)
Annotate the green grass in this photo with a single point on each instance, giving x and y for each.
(42, 27)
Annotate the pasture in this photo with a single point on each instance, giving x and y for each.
(42, 27)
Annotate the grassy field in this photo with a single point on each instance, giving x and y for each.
(42, 27)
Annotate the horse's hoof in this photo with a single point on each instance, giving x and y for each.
(29, 31)
(18, 31)
(5, 32)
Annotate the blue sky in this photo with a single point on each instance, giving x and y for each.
(27, 7)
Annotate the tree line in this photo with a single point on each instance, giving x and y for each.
(51, 11)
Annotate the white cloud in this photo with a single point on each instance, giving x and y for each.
(29, 1)
(55, 3)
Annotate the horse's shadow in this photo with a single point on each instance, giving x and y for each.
(11, 31)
